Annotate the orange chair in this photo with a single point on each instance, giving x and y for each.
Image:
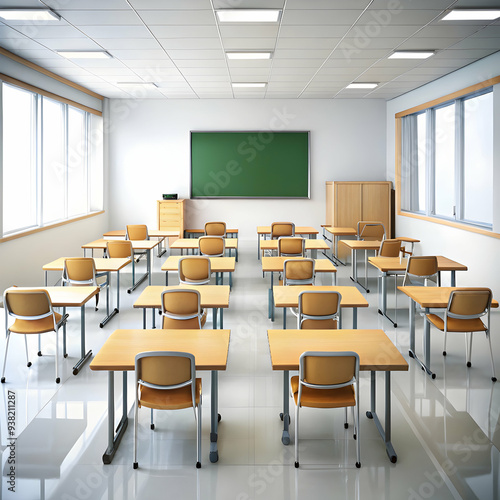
(215, 229)
(318, 310)
(181, 308)
(212, 246)
(291, 246)
(194, 270)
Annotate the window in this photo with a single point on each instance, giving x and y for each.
(447, 160)
(52, 161)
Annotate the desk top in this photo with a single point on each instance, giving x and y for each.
(136, 244)
(217, 264)
(288, 296)
(361, 244)
(192, 243)
(275, 264)
(66, 296)
(376, 351)
(340, 231)
(202, 231)
(310, 244)
(153, 233)
(386, 264)
(212, 296)
(433, 296)
(209, 347)
(298, 230)
(101, 264)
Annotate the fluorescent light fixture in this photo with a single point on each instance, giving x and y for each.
(249, 85)
(248, 55)
(362, 85)
(472, 15)
(28, 15)
(84, 54)
(138, 84)
(411, 54)
(248, 15)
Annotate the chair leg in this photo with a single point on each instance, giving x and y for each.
(494, 378)
(5, 357)
(198, 436)
(297, 437)
(97, 301)
(57, 357)
(152, 422)
(136, 417)
(444, 345)
(346, 423)
(468, 348)
(358, 440)
(28, 362)
(354, 420)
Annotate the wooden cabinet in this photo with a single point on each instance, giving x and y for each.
(349, 202)
(171, 216)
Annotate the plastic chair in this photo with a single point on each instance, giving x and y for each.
(392, 248)
(166, 380)
(371, 231)
(291, 246)
(212, 246)
(327, 380)
(33, 313)
(421, 270)
(298, 272)
(318, 310)
(215, 229)
(194, 270)
(121, 249)
(463, 314)
(81, 271)
(137, 232)
(181, 309)
(282, 229)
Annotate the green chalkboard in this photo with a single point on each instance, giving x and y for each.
(253, 164)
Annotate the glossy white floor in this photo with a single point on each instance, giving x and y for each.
(445, 431)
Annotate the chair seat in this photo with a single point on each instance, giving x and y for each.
(458, 325)
(39, 326)
(174, 399)
(319, 324)
(323, 398)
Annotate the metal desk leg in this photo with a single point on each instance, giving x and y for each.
(453, 278)
(384, 433)
(143, 318)
(214, 417)
(166, 278)
(285, 416)
(355, 318)
(383, 297)
(114, 439)
(116, 310)
(411, 352)
(84, 356)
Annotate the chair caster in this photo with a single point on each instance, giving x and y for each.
(433, 376)
(96, 308)
(152, 427)
(346, 426)
(494, 379)
(354, 436)
(3, 380)
(469, 364)
(358, 465)
(66, 355)
(136, 465)
(444, 353)
(58, 380)
(39, 353)
(29, 364)
(198, 465)
(296, 465)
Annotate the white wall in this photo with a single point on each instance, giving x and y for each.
(150, 155)
(480, 253)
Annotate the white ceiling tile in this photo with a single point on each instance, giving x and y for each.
(204, 71)
(115, 31)
(207, 78)
(307, 43)
(369, 43)
(127, 43)
(411, 4)
(184, 31)
(201, 63)
(100, 17)
(151, 63)
(297, 63)
(171, 4)
(175, 17)
(249, 31)
(139, 54)
(13, 44)
(326, 4)
(248, 43)
(375, 30)
(190, 43)
(399, 17)
(416, 43)
(320, 17)
(464, 53)
(477, 43)
(70, 44)
(196, 54)
(489, 31)
(86, 4)
(451, 63)
(313, 31)
(34, 54)
(358, 53)
(38, 32)
(442, 30)
(8, 32)
(302, 54)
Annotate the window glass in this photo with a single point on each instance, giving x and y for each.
(421, 155)
(77, 163)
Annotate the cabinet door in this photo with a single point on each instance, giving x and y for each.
(348, 209)
(377, 204)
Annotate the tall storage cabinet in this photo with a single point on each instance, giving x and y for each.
(171, 216)
(349, 202)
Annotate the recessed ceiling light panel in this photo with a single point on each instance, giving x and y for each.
(411, 54)
(28, 15)
(248, 55)
(255, 85)
(361, 85)
(472, 15)
(248, 15)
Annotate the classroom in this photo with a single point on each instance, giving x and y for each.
(166, 77)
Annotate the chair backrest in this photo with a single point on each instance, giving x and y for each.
(469, 303)
(79, 271)
(290, 246)
(328, 370)
(194, 270)
(119, 249)
(27, 305)
(421, 270)
(215, 229)
(318, 310)
(282, 229)
(298, 272)
(166, 370)
(181, 308)
(371, 231)
(390, 248)
(212, 246)
(137, 232)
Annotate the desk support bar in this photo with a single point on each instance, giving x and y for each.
(285, 416)
(116, 310)
(84, 356)
(411, 352)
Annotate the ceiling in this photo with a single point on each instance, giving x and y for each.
(319, 46)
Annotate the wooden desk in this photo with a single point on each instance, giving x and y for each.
(209, 347)
(376, 353)
(71, 296)
(288, 296)
(336, 232)
(102, 266)
(264, 231)
(161, 235)
(395, 266)
(147, 245)
(428, 297)
(212, 296)
(275, 265)
(192, 244)
(311, 244)
(191, 233)
(218, 265)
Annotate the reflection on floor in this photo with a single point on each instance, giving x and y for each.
(445, 431)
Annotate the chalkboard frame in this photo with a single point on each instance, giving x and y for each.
(261, 134)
